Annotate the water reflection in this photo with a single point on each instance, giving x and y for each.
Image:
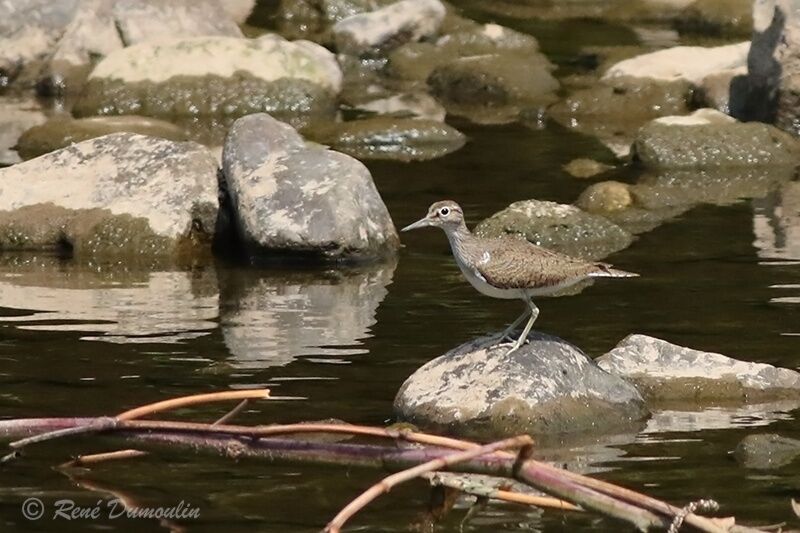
(776, 224)
(109, 303)
(751, 415)
(269, 318)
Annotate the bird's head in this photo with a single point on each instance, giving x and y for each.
(446, 215)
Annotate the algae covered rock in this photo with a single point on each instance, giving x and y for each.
(402, 139)
(62, 131)
(548, 386)
(564, 228)
(665, 371)
(708, 138)
(766, 451)
(214, 76)
(121, 194)
(17, 117)
(289, 199)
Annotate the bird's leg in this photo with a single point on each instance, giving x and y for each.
(524, 337)
(507, 333)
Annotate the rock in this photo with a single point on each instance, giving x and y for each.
(773, 83)
(91, 33)
(615, 109)
(563, 228)
(313, 19)
(388, 27)
(546, 387)
(585, 168)
(238, 10)
(20, 52)
(416, 61)
(717, 17)
(62, 131)
(407, 105)
(764, 451)
(45, 14)
(402, 139)
(708, 138)
(718, 89)
(605, 196)
(689, 63)
(290, 199)
(139, 21)
(214, 76)
(121, 194)
(16, 116)
(664, 371)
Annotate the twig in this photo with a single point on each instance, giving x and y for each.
(232, 413)
(385, 485)
(96, 425)
(86, 460)
(184, 401)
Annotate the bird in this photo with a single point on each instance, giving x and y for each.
(508, 268)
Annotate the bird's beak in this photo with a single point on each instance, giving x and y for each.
(421, 223)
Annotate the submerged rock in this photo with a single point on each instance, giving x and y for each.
(214, 76)
(289, 199)
(547, 386)
(585, 168)
(564, 228)
(665, 371)
(764, 451)
(121, 194)
(402, 139)
(407, 105)
(388, 27)
(688, 63)
(16, 116)
(62, 131)
(313, 19)
(708, 138)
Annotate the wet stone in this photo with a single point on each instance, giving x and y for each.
(401, 139)
(62, 131)
(548, 386)
(667, 372)
(128, 195)
(16, 116)
(295, 201)
(560, 227)
(766, 451)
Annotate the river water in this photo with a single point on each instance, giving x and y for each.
(93, 339)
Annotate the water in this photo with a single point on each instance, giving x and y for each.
(96, 339)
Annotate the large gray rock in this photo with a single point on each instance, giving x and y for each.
(16, 116)
(402, 139)
(290, 199)
(665, 371)
(62, 131)
(214, 76)
(388, 27)
(547, 386)
(45, 14)
(564, 228)
(708, 138)
(123, 194)
(717, 17)
(773, 81)
(765, 451)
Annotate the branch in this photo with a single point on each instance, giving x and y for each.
(183, 401)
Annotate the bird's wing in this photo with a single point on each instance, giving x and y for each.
(523, 265)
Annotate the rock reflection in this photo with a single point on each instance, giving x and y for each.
(751, 415)
(109, 303)
(776, 224)
(268, 318)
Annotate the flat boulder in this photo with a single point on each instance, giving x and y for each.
(665, 371)
(214, 76)
(119, 195)
(548, 386)
(560, 227)
(709, 138)
(289, 199)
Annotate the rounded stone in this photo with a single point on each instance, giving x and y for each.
(548, 386)
(605, 196)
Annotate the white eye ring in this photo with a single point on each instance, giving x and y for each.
(444, 211)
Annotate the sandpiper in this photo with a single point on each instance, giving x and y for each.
(508, 267)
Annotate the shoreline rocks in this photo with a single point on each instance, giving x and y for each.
(547, 386)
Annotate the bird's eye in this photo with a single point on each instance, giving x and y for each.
(444, 211)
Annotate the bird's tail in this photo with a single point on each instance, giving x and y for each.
(604, 270)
